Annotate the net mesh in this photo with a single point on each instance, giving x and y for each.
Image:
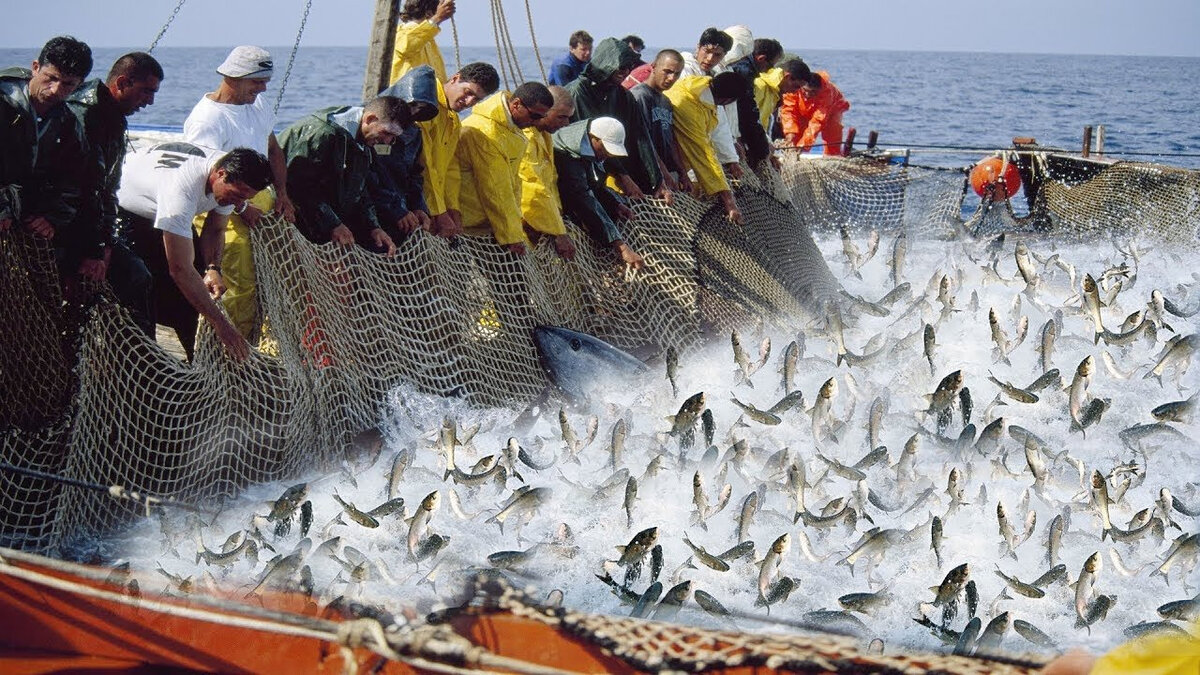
(655, 647)
(102, 404)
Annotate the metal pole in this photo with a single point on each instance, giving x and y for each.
(1100, 140)
(850, 133)
(1087, 141)
(872, 139)
(379, 53)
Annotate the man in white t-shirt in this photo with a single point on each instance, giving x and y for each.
(236, 116)
(162, 190)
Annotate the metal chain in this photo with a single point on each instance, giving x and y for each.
(292, 57)
(533, 37)
(163, 30)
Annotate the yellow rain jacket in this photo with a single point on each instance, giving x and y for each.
(439, 139)
(415, 46)
(489, 155)
(767, 96)
(695, 120)
(1153, 655)
(541, 206)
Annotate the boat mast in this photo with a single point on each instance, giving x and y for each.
(379, 54)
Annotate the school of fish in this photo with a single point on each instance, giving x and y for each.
(992, 448)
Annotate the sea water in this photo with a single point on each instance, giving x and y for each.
(1147, 104)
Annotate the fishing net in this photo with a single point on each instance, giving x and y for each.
(654, 647)
(102, 404)
(343, 327)
(1121, 199)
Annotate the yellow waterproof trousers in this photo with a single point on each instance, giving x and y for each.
(237, 267)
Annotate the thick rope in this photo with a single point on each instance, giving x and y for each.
(533, 38)
(163, 31)
(457, 47)
(499, 51)
(510, 52)
(292, 58)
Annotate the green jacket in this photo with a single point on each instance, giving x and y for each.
(596, 96)
(104, 126)
(585, 197)
(327, 176)
(45, 171)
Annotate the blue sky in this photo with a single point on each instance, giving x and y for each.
(1150, 27)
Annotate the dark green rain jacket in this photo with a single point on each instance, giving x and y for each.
(327, 175)
(597, 96)
(104, 126)
(585, 197)
(38, 176)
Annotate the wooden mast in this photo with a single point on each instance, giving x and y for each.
(379, 54)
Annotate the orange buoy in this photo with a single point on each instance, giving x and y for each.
(995, 178)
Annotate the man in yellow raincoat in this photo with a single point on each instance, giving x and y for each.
(489, 154)
(541, 207)
(695, 98)
(439, 141)
(420, 23)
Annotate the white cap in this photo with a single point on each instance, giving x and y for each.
(611, 133)
(247, 62)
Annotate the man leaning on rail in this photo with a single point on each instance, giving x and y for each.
(162, 190)
(101, 107)
(489, 157)
(42, 151)
(331, 156)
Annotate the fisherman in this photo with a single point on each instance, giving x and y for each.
(816, 108)
(711, 48)
(579, 151)
(330, 155)
(41, 145)
(541, 207)
(696, 99)
(101, 108)
(637, 44)
(660, 115)
(236, 116)
(415, 43)
(396, 182)
(760, 57)
(772, 84)
(569, 66)
(162, 189)
(598, 92)
(489, 155)
(439, 140)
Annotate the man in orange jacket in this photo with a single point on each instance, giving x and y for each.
(815, 109)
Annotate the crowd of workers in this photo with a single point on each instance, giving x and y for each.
(449, 153)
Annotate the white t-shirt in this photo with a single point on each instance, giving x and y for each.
(224, 126)
(168, 183)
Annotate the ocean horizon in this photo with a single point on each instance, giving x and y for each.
(978, 100)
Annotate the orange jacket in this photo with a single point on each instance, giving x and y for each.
(804, 116)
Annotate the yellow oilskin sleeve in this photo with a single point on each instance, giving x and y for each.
(766, 95)
(415, 46)
(439, 138)
(540, 204)
(695, 119)
(1153, 655)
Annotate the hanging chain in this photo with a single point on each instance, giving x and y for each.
(292, 58)
(533, 38)
(163, 30)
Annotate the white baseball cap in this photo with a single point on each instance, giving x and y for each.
(611, 133)
(247, 62)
